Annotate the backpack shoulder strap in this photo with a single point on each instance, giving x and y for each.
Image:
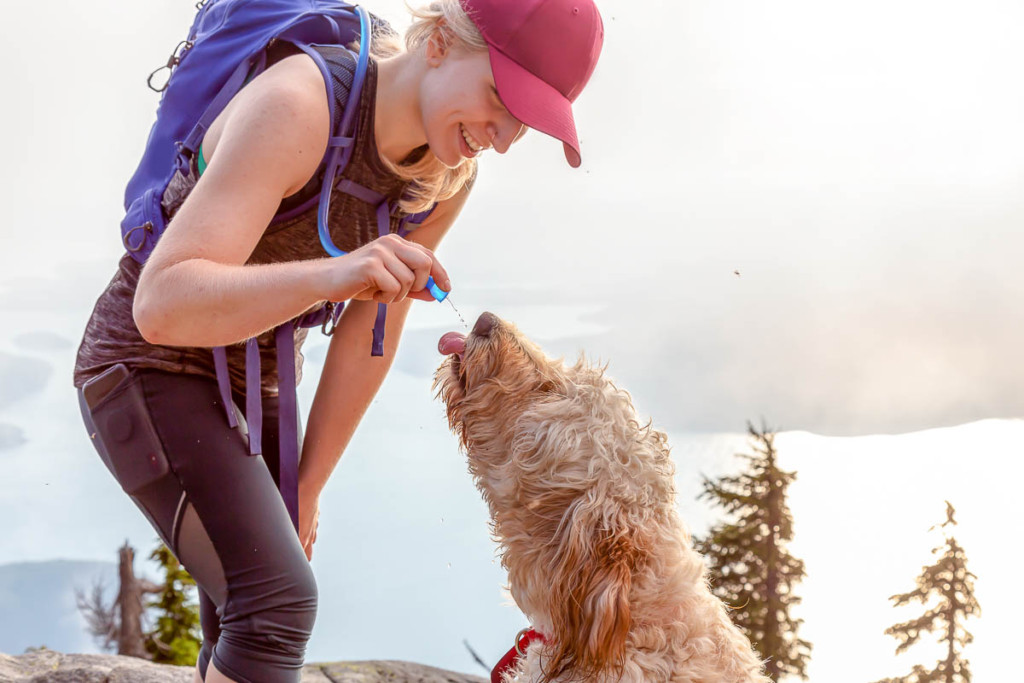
(414, 220)
(234, 83)
(340, 65)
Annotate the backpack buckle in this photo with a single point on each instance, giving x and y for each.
(329, 331)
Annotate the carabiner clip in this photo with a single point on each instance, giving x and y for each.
(172, 62)
(329, 319)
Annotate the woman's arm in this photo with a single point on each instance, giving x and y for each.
(195, 289)
(351, 378)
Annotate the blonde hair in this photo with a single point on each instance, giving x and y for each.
(429, 180)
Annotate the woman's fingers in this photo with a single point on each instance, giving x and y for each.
(410, 265)
(430, 268)
(392, 269)
(402, 268)
(420, 262)
(385, 283)
(421, 295)
(439, 274)
(310, 537)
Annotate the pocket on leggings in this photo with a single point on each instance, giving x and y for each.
(124, 426)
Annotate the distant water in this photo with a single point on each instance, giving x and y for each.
(37, 604)
(404, 561)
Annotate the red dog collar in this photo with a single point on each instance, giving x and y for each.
(508, 662)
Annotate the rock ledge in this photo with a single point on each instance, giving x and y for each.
(48, 666)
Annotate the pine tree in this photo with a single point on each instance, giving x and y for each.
(176, 638)
(751, 570)
(946, 589)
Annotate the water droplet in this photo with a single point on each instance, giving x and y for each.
(450, 303)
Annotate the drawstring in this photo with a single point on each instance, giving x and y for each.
(383, 210)
(253, 397)
(220, 363)
(287, 420)
(383, 228)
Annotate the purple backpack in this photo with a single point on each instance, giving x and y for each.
(227, 46)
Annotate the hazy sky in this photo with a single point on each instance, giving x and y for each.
(859, 164)
(808, 211)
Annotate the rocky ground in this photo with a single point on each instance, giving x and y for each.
(47, 666)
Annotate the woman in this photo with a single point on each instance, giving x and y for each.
(474, 75)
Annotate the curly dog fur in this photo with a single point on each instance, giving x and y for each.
(582, 502)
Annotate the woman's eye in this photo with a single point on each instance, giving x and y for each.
(497, 97)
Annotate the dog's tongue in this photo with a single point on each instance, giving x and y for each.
(452, 342)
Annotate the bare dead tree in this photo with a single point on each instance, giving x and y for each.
(130, 640)
(119, 622)
(100, 616)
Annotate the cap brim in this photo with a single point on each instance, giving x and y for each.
(535, 103)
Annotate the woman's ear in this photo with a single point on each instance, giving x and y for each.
(438, 44)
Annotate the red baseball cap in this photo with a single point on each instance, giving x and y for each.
(542, 54)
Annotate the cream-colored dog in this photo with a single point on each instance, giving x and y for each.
(582, 502)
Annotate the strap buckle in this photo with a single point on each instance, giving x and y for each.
(395, 208)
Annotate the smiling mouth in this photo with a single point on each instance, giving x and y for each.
(471, 142)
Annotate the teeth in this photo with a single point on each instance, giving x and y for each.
(473, 144)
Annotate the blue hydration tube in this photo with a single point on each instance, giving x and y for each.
(334, 161)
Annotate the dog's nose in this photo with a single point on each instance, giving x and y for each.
(484, 324)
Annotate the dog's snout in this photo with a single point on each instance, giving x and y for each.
(484, 324)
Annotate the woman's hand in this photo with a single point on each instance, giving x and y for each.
(309, 520)
(387, 270)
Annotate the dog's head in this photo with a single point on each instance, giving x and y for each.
(571, 478)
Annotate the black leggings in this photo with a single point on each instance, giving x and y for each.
(219, 511)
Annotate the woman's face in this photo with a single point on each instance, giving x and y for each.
(462, 113)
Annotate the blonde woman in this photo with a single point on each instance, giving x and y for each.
(473, 75)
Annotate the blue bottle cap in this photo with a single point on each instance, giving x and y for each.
(436, 291)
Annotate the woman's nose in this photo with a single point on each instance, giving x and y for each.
(503, 135)
(494, 138)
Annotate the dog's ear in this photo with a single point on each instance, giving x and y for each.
(590, 598)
